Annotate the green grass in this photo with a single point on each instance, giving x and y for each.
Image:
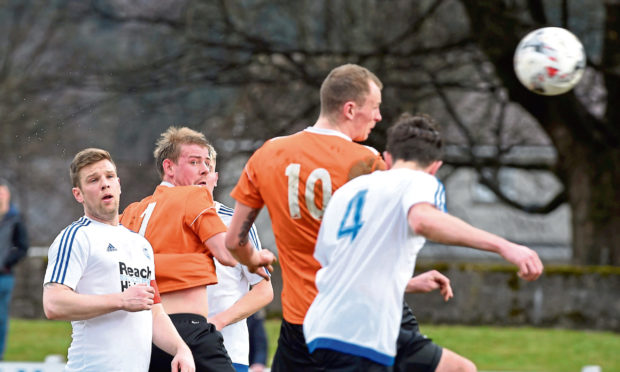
(529, 349)
(32, 340)
(523, 349)
(491, 348)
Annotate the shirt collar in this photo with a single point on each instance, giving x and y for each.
(329, 132)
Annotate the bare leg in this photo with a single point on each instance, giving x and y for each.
(452, 362)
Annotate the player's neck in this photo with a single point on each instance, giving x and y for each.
(408, 165)
(431, 168)
(4, 209)
(325, 123)
(108, 220)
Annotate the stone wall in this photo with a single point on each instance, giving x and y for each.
(564, 296)
(489, 293)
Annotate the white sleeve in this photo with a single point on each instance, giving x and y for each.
(424, 188)
(68, 256)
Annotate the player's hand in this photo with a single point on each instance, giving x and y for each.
(430, 281)
(137, 298)
(261, 261)
(183, 360)
(527, 260)
(257, 367)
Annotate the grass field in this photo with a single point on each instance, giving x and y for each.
(491, 348)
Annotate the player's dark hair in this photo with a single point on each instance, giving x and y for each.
(415, 138)
(346, 83)
(85, 158)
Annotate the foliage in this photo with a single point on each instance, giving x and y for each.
(114, 74)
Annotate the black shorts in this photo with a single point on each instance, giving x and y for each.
(206, 343)
(334, 361)
(292, 353)
(414, 351)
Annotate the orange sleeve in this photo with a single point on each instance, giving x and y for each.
(202, 216)
(246, 191)
(379, 164)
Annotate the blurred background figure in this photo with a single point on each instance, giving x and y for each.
(13, 247)
(258, 341)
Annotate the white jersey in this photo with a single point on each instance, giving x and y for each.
(96, 258)
(232, 284)
(367, 253)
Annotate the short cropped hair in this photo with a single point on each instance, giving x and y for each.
(169, 145)
(346, 83)
(85, 158)
(415, 138)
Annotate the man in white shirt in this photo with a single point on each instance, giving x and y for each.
(101, 276)
(372, 230)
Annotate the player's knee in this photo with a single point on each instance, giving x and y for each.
(468, 366)
(463, 365)
(451, 361)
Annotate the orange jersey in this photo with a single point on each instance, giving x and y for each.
(294, 177)
(177, 221)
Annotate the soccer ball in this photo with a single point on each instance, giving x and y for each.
(549, 61)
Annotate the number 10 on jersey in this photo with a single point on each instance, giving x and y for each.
(292, 172)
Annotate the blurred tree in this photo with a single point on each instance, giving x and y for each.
(115, 73)
(584, 126)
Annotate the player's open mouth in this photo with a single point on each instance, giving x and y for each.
(107, 197)
(202, 183)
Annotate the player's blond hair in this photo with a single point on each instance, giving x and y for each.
(344, 83)
(169, 145)
(85, 158)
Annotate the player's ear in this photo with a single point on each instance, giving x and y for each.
(348, 109)
(434, 167)
(77, 194)
(167, 167)
(388, 159)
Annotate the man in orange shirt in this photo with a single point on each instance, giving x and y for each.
(181, 223)
(295, 176)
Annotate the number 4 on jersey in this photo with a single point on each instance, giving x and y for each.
(352, 221)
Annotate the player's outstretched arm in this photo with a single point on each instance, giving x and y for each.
(429, 281)
(237, 241)
(217, 246)
(62, 303)
(166, 337)
(443, 228)
(258, 297)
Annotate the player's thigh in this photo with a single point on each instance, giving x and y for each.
(292, 353)
(453, 362)
(416, 352)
